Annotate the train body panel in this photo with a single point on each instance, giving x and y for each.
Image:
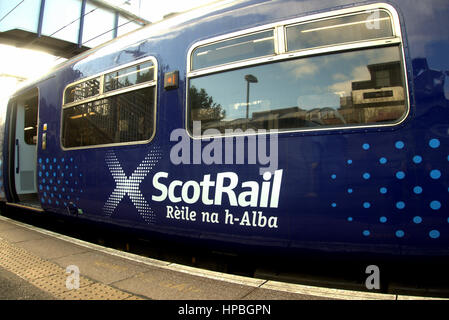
(366, 188)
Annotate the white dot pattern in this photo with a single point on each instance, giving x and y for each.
(130, 185)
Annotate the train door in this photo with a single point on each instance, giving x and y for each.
(23, 143)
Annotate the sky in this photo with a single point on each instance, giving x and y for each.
(31, 64)
(21, 63)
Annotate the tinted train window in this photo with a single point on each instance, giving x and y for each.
(30, 121)
(241, 48)
(365, 26)
(121, 118)
(331, 90)
(129, 76)
(352, 86)
(115, 116)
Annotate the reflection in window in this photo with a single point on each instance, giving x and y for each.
(357, 27)
(241, 48)
(335, 90)
(382, 78)
(30, 124)
(121, 118)
(129, 76)
(83, 90)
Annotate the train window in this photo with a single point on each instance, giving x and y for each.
(30, 121)
(122, 112)
(121, 118)
(341, 89)
(246, 47)
(349, 86)
(83, 90)
(129, 76)
(356, 27)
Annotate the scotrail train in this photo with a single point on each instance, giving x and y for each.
(278, 125)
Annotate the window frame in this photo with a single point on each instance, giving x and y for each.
(93, 97)
(237, 37)
(281, 54)
(103, 95)
(349, 14)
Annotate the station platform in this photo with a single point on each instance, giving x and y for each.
(55, 266)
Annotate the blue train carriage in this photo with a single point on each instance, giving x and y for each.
(276, 124)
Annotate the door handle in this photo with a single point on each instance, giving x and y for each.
(17, 156)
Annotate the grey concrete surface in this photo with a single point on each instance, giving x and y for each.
(101, 267)
(146, 278)
(48, 248)
(13, 287)
(15, 235)
(164, 284)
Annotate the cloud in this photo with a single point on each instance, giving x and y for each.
(382, 55)
(301, 68)
(342, 88)
(339, 77)
(237, 105)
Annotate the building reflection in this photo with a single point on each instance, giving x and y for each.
(381, 99)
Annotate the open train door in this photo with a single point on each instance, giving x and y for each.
(23, 148)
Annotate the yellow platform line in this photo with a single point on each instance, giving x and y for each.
(52, 278)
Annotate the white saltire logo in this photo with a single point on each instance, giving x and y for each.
(130, 185)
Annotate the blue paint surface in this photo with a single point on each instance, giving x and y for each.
(372, 189)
